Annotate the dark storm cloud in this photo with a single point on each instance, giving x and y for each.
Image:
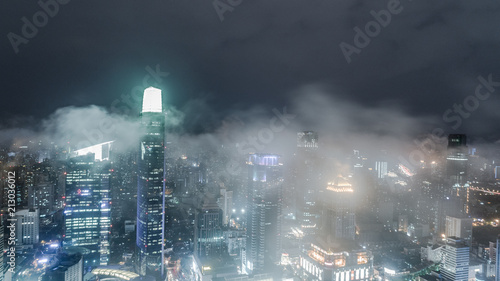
(425, 60)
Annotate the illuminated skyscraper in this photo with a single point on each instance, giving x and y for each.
(151, 185)
(457, 158)
(263, 242)
(339, 210)
(307, 139)
(306, 181)
(87, 211)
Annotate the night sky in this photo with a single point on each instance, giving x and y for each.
(260, 53)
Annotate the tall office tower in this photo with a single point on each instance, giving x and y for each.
(326, 260)
(208, 230)
(27, 228)
(457, 159)
(339, 210)
(497, 261)
(124, 197)
(87, 211)
(263, 244)
(455, 260)
(151, 185)
(306, 178)
(459, 227)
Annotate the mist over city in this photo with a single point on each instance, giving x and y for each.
(250, 140)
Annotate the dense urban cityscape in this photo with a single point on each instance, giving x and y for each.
(168, 210)
(250, 140)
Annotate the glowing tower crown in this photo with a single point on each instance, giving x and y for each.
(152, 100)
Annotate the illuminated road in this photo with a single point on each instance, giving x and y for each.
(485, 190)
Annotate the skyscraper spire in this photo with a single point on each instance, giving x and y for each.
(152, 100)
(151, 186)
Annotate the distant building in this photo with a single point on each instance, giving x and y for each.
(497, 172)
(457, 159)
(226, 204)
(381, 168)
(129, 226)
(307, 139)
(459, 227)
(264, 193)
(43, 198)
(455, 260)
(27, 228)
(497, 262)
(235, 241)
(323, 260)
(339, 218)
(306, 181)
(403, 223)
(432, 253)
(67, 268)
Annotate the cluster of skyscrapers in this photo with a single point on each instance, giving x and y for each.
(164, 213)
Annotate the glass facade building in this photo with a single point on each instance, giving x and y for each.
(87, 210)
(264, 195)
(151, 185)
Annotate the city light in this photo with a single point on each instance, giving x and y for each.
(152, 100)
